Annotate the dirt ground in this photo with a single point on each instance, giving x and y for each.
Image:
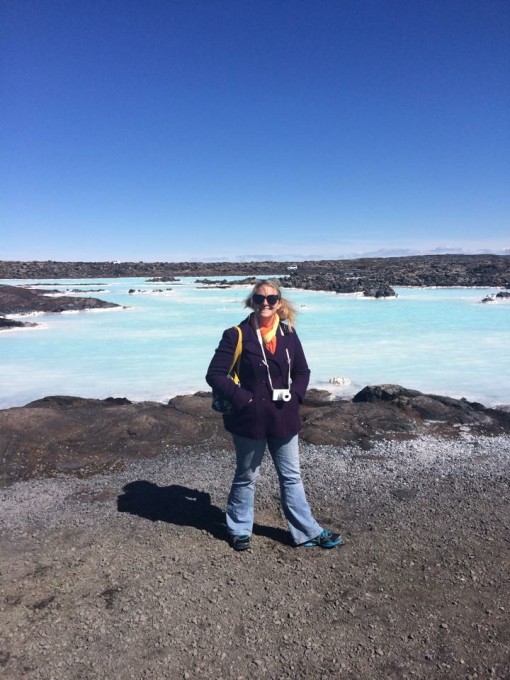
(128, 575)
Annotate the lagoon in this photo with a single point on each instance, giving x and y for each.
(441, 341)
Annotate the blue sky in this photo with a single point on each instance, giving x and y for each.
(224, 129)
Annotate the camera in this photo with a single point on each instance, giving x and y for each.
(281, 395)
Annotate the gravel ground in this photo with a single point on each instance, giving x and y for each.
(420, 590)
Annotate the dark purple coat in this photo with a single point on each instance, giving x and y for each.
(260, 418)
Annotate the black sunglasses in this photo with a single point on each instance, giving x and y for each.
(258, 299)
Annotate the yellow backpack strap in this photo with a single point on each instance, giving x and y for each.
(237, 356)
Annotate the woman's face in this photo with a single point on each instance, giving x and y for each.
(264, 310)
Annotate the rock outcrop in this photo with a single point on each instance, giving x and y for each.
(339, 283)
(71, 435)
(8, 324)
(19, 300)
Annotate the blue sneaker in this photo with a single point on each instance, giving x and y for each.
(240, 542)
(326, 539)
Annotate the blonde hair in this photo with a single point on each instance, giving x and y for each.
(287, 311)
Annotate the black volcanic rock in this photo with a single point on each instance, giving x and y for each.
(339, 283)
(214, 283)
(162, 279)
(6, 324)
(435, 408)
(75, 435)
(64, 434)
(329, 281)
(339, 275)
(381, 290)
(19, 300)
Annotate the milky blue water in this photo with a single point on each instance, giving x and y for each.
(439, 341)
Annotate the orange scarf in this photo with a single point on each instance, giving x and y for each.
(269, 334)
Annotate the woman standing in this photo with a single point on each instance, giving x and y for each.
(265, 412)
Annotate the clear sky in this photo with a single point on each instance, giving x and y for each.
(224, 129)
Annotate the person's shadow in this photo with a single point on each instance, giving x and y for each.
(183, 506)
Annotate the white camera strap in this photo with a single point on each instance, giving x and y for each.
(261, 343)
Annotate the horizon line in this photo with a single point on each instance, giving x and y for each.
(243, 259)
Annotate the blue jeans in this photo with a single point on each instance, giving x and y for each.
(240, 504)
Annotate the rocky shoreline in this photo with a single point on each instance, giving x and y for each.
(76, 436)
(425, 270)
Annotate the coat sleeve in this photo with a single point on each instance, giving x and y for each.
(300, 373)
(220, 364)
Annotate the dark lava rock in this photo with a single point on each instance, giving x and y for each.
(375, 393)
(380, 291)
(328, 280)
(19, 300)
(6, 324)
(162, 279)
(88, 290)
(72, 435)
(346, 276)
(339, 283)
(341, 275)
(212, 283)
(435, 408)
